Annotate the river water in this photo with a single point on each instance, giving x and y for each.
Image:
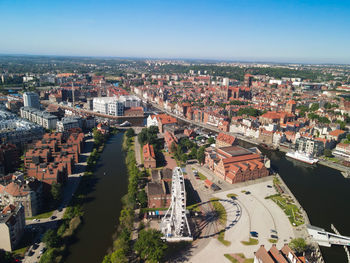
(104, 205)
(324, 194)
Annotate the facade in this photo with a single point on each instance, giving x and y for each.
(115, 106)
(68, 123)
(12, 223)
(235, 164)
(291, 106)
(27, 194)
(152, 121)
(130, 101)
(42, 118)
(309, 146)
(9, 158)
(31, 99)
(149, 158)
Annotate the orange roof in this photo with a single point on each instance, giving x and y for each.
(226, 138)
(166, 119)
(336, 133)
(291, 102)
(148, 151)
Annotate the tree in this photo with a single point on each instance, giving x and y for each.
(51, 239)
(314, 107)
(142, 198)
(173, 148)
(130, 133)
(327, 153)
(298, 245)
(201, 155)
(142, 137)
(56, 192)
(211, 140)
(6, 257)
(153, 129)
(150, 246)
(99, 138)
(193, 153)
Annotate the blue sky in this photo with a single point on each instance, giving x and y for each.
(261, 30)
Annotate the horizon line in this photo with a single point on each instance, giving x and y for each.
(249, 61)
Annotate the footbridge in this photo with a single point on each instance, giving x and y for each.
(324, 238)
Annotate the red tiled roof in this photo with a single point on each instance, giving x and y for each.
(226, 138)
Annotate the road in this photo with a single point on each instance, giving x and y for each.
(47, 223)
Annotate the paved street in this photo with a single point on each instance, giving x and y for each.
(69, 189)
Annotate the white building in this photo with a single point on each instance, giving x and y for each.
(43, 118)
(68, 123)
(130, 101)
(152, 121)
(108, 105)
(31, 99)
(12, 225)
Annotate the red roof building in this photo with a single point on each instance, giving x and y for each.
(149, 158)
(224, 140)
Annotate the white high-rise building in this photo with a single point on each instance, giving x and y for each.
(31, 99)
(108, 105)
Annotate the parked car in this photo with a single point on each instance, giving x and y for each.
(42, 250)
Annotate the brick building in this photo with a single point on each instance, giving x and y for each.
(235, 164)
(224, 140)
(149, 158)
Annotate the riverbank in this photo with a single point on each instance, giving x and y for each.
(301, 231)
(73, 213)
(336, 166)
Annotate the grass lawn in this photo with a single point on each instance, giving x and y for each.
(289, 208)
(41, 216)
(252, 241)
(222, 216)
(220, 210)
(194, 207)
(221, 238)
(233, 260)
(21, 251)
(202, 176)
(273, 241)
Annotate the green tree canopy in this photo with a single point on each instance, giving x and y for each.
(314, 107)
(130, 133)
(201, 155)
(150, 246)
(298, 245)
(51, 239)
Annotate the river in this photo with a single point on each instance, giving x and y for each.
(102, 211)
(324, 194)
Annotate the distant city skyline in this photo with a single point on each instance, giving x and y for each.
(255, 31)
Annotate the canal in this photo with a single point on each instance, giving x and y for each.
(323, 192)
(102, 211)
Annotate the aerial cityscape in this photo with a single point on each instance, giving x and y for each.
(128, 135)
